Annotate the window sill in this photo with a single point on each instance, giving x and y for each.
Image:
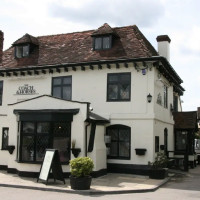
(118, 158)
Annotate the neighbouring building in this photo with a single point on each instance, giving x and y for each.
(108, 90)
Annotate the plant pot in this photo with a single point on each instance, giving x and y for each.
(76, 151)
(80, 183)
(140, 152)
(10, 148)
(158, 173)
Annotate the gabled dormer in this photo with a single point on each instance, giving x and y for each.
(25, 46)
(103, 37)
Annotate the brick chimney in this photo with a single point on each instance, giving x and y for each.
(164, 46)
(1, 46)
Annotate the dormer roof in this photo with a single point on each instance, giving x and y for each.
(26, 39)
(105, 29)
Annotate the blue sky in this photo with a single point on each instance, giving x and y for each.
(177, 18)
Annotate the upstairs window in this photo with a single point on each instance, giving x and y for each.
(119, 87)
(1, 92)
(165, 96)
(103, 42)
(62, 87)
(22, 51)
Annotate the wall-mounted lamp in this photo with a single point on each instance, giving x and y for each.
(149, 98)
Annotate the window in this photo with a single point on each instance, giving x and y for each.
(165, 96)
(5, 135)
(1, 92)
(175, 106)
(62, 87)
(37, 136)
(156, 143)
(119, 87)
(103, 42)
(180, 140)
(22, 51)
(120, 141)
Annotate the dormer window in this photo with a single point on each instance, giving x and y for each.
(102, 42)
(22, 51)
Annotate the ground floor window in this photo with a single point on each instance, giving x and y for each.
(180, 140)
(120, 141)
(4, 144)
(36, 137)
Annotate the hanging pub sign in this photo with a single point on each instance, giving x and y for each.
(26, 89)
(50, 163)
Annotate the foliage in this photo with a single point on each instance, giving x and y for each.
(82, 166)
(73, 144)
(161, 161)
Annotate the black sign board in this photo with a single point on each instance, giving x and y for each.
(50, 163)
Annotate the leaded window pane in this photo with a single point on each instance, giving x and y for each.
(98, 43)
(63, 146)
(28, 148)
(67, 92)
(114, 149)
(181, 140)
(124, 91)
(43, 127)
(124, 135)
(106, 42)
(28, 127)
(61, 128)
(124, 149)
(112, 92)
(42, 144)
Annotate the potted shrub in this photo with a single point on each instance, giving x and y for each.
(81, 169)
(158, 168)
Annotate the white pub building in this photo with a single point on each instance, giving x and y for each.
(106, 90)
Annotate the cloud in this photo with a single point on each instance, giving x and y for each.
(115, 12)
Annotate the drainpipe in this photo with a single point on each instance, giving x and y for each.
(88, 109)
(86, 138)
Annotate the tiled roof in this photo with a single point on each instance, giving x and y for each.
(77, 47)
(185, 120)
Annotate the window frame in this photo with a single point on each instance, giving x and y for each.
(3, 146)
(22, 50)
(118, 83)
(102, 37)
(61, 86)
(1, 93)
(119, 127)
(35, 134)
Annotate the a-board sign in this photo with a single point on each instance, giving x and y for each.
(50, 163)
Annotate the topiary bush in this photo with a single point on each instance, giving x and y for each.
(81, 167)
(161, 161)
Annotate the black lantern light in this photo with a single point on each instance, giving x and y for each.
(149, 98)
